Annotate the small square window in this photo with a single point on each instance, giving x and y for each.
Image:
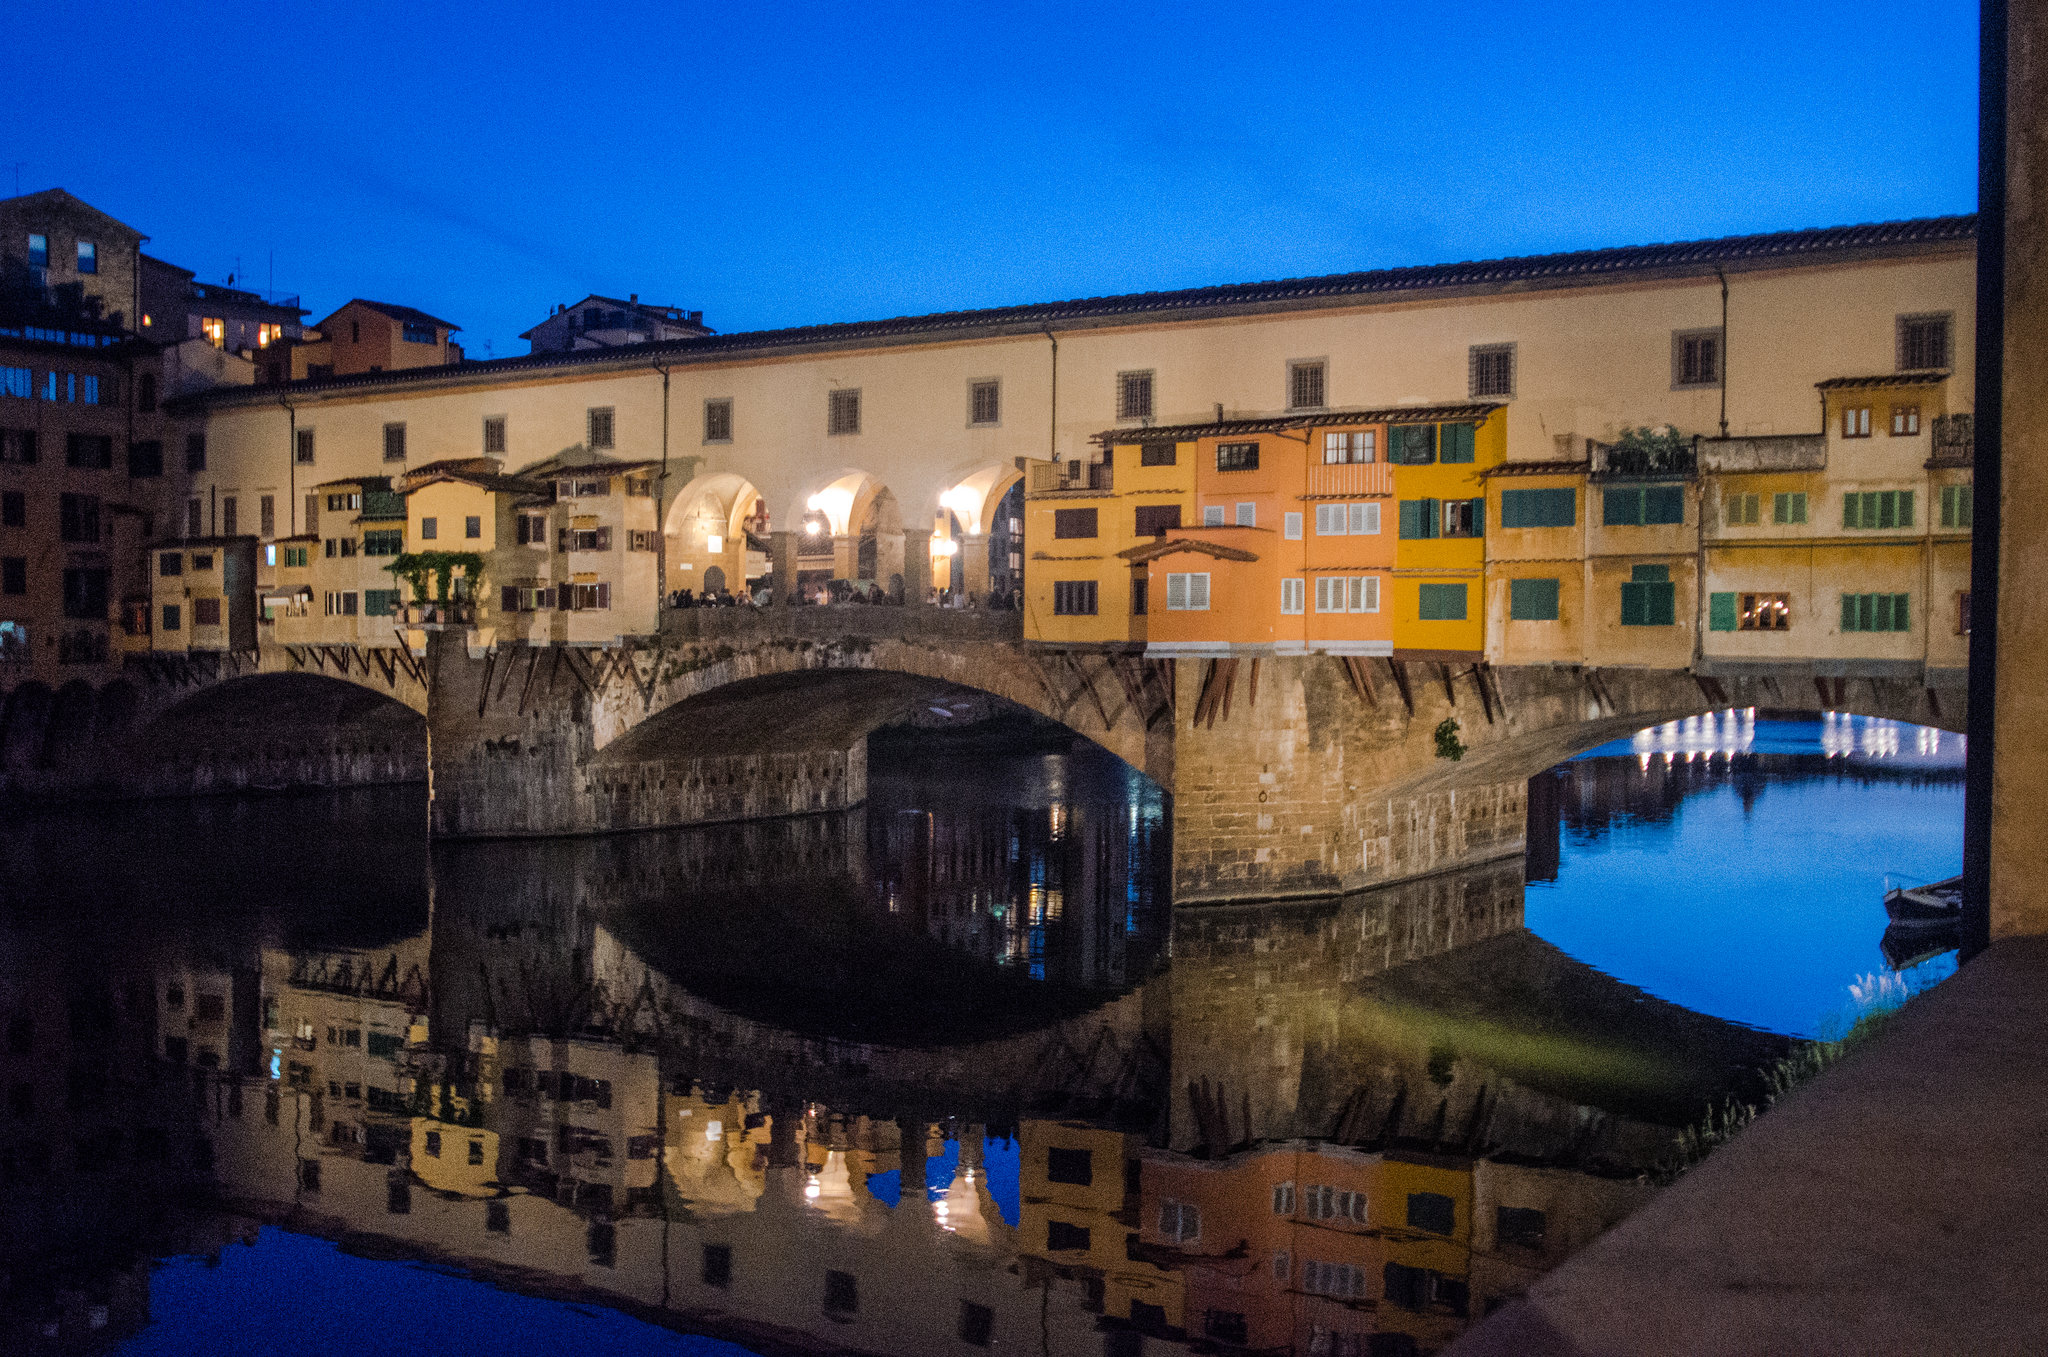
(718, 421)
(842, 412)
(1492, 370)
(1157, 454)
(1237, 456)
(1696, 358)
(1924, 342)
(984, 402)
(1134, 395)
(1305, 384)
(1905, 421)
(1247, 514)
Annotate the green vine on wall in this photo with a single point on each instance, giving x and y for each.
(414, 566)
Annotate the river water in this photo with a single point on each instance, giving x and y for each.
(942, 1074)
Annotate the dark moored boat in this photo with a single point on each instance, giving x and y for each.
(1929, 906)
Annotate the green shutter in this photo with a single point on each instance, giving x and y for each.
(1441, 603)
(1411, 519)
(1901, 620)
(1650, 574)
(1532, 600)
(1905, 508)
(1721, 612)
(1633, 608)
(1457, 443)
(1517, 508)
(1413, 444)
(1848, 612)
(1479, 517)
(1851, 518)
(1664, 504)
(1621, 507)
(1881, 612)
(1432, 518)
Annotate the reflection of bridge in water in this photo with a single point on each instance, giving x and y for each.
(589, 1077)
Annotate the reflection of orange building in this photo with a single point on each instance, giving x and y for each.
(1078, 1195)
(1314, 1247)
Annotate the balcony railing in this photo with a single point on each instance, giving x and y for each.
(1781, 452)
(1350, 479)
(1052, 478)
(1955, 441)
(1614, 461)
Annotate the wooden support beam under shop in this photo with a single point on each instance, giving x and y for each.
(1399, 669)
(1478, 673)
(526, 686)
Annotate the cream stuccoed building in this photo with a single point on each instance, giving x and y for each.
(884, 451)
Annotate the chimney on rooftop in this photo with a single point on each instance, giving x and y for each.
(633, 298)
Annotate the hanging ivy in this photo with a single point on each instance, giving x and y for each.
(414, 566)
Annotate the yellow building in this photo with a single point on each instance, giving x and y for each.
(1440, 565)
(1536, 606)
(201, 595)
(1078, 1204)
(1078, 517)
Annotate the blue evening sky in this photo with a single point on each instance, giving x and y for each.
(787, 164)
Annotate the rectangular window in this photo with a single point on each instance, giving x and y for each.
(205, 612)
(18, 446)
(494, 435)
(1876, 612)
(1134, 395)
(78, 518)
(93, 452)
(418, 332)
(146, 458)
(430, 529)
(1187, 592)
(85, 594)
(1492, 369)
(228, 516)
(88, 257)
(1924, 342)
(38, 251)
(1305, 385)
(384, 542)
(1179, 1221)
(1421, 519)
(1329, 593)
(1464, 518)
(1856, 421)
(394, 442)
(1291, 594)
(1532, 600)
(1788, 506)
(18, 382)
(1457, 443)
(842, 412)
(195, 514)
(1332, 521)
(1649, 598)
(13, 509)
(1237, 456)
(1741, 510)
(304, 449)
(297, 556)
(1650, 504)
(1342, 449)
(1882, 509)
(1905, 421)
(598, 421)
(984, 402)
(1411, 444)
(1556, 507)
(379, 603)
(1074, 522)
(1065, 1237)
(1955, 506)
(1157, 454)
(1141, 600)
(1765, 612)
(1431, 1211)
(1153, 520)
(1073, 598)
(1247, 514)
(1441, 603)
(1696, 358)
(173, 618)
(1290, 526)
(1075, 1168)
(13, 575)
(1519, 1227)
(145, 393)
(266, 515)
(1283, 1198)
(472, 527)
(1212, 515)
(718, 420)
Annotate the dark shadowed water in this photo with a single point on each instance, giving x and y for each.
(942, 1074)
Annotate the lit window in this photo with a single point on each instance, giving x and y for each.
(38, 251)
(215, 330)
(88, 257)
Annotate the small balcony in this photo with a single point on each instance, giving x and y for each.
(1619, 461)
(1350, 480)
(1955, 442)
(1780, 452)
(1069, 478)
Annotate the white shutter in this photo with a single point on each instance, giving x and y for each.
(1247, 514)
(1290, 595)
(1322, 606)
(1176, 592)
(1365, 518)
(1198, 592)
(1212, 516)
(1329, 520)
(1292, 527)
(1371, 601)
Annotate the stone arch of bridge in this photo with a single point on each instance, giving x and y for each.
(271, 729)
(784, 696)
(968, 510)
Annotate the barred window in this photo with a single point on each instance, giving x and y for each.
(1696, 358)
(1073, 598)
(718, 421)
(394, 442)
(1134, 395)
(842, 412)
(1237, 456)
(1924, 342)
(984, 402)
(1492, 368)
(601, 426)
(494, 434)
(1305, 384)
(304, 449)
(1157, 454)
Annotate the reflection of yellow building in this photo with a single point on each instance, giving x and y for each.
(1077, 1212)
